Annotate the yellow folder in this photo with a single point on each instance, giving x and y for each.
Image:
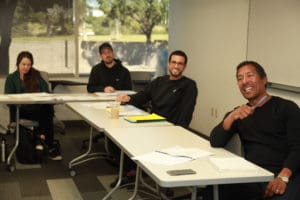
(145, 118)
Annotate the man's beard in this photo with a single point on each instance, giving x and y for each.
(109, 62)
(175, 75)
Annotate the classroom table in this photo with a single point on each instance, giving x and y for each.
(46, 98)
(161, 137)
(154, 136)
(98, 116)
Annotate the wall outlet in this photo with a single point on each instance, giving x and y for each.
(212, 111)
(216, 113)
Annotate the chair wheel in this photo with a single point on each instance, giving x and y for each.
(11, 168)
(72, 172)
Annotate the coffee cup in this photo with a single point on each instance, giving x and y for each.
(114, 110)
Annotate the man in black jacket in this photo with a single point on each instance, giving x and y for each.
(172, 96)
(108, 75)
(269, 129)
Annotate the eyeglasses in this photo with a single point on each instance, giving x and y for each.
(174, 63)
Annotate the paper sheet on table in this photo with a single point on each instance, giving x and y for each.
(173, 155)
(161, 159)
(75, 97)
(98, 105)
(105, 96)
(114, 94)
(232, 163)
(192, 153)
(129, 110)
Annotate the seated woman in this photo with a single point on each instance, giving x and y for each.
(27, 79)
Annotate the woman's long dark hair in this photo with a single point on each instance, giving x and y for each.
(32, 78)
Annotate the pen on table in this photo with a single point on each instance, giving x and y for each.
(180, 156)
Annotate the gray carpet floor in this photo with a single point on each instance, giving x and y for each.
(52, 181)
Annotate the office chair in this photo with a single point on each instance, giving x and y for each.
(59, 126)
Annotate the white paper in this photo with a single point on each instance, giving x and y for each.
(114, 94)
(192, 153)
(173, 155)
(129, 110)
(99, 105)
(232, 163)
(103, 94)
(161, 159)
(75, 97)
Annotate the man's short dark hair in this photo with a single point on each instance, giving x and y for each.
(259, 69)
(179, 53)
(105, 45)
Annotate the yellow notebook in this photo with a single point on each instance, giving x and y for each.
(145, 118)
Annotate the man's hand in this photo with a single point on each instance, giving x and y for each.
(123, 98)
(239, 113)
(109, 89)
(275, 187)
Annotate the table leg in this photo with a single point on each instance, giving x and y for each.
(73, 161)
(17, 136)
(194, 193)
(136, 184)
(215, 192)
(119, 179)
(87, 155)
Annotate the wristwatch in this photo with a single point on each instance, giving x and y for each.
(284, 178)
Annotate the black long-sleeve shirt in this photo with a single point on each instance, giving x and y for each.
(173, 99)
(270, 136)
(101, 76)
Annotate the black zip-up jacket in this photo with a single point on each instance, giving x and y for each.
(270, 136)
(101, 76)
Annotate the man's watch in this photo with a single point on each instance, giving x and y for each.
(284, 178)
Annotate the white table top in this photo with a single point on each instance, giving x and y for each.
(157, 138)
(96, 115)
(56, 98)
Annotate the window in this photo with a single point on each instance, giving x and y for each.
(44, 28)
(64, 36)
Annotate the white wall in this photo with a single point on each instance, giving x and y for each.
(214, 34)
(274, 39)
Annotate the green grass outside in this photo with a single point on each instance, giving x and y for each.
(128, 38)
(122, 38)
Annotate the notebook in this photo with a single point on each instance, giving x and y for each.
(145, 118)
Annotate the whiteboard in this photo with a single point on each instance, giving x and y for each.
(274, 39)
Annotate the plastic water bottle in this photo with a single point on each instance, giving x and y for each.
(3, 143)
